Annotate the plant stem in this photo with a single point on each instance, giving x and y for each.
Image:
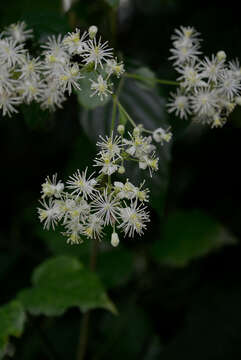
(160, 81)
(84, 330)
(113, 115)
(126, 114)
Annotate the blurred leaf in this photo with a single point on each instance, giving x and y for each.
(148, 80)
(85, 95)
(60, 283)
(113, 3)
(115, 267)
(12, 319)
(146, 107)
(189, 235)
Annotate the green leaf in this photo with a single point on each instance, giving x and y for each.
(12, 319)
(146, 107)
(189, 235)
(85, 95)
(113, 3)
(60, 283)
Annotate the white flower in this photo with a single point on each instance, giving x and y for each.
(49, 215)
(229, 84)
(113, 67)
(161, 135)
(55, 54)
(179, 104)
(106, 207)
(93, 227)
(8, 102)
(186, 45)
(96, 52)
(133, 219)
(149, 162)
(191, 76)
(74, 230)
(7, 84)
(107, 162)
(138, 145)
(52, 187)
(183, 54)
(18, 32)
(52, 96)
(185, 36)
(30, 68)
(218, 121)
(30, 90)
(204, 102)
(235, 67)
(74, 43)
(110, 145)
(100, 88)
(11, 53)
(81, 185)
(211, 68)
(130, 192)
(69, 76)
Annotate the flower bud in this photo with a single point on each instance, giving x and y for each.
(221, 55)
(93, 31)
(238, 100)
(136, 131)
(121, 170)
(121, 129)
(115, 239)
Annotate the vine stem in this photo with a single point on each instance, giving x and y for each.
(113, 118)
(84, 330)
(160, 81)
(126, 114)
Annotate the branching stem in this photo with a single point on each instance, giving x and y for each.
(154, 80)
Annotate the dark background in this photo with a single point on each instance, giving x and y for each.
(166, 312)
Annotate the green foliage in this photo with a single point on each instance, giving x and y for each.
(189, 235)
(12, 319)
(60, 283)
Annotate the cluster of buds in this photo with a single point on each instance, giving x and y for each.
(85, 206)
(209, 87)
(48, 78)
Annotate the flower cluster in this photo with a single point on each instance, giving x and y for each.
(48, 78)
(209, 88)
(85, 206)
